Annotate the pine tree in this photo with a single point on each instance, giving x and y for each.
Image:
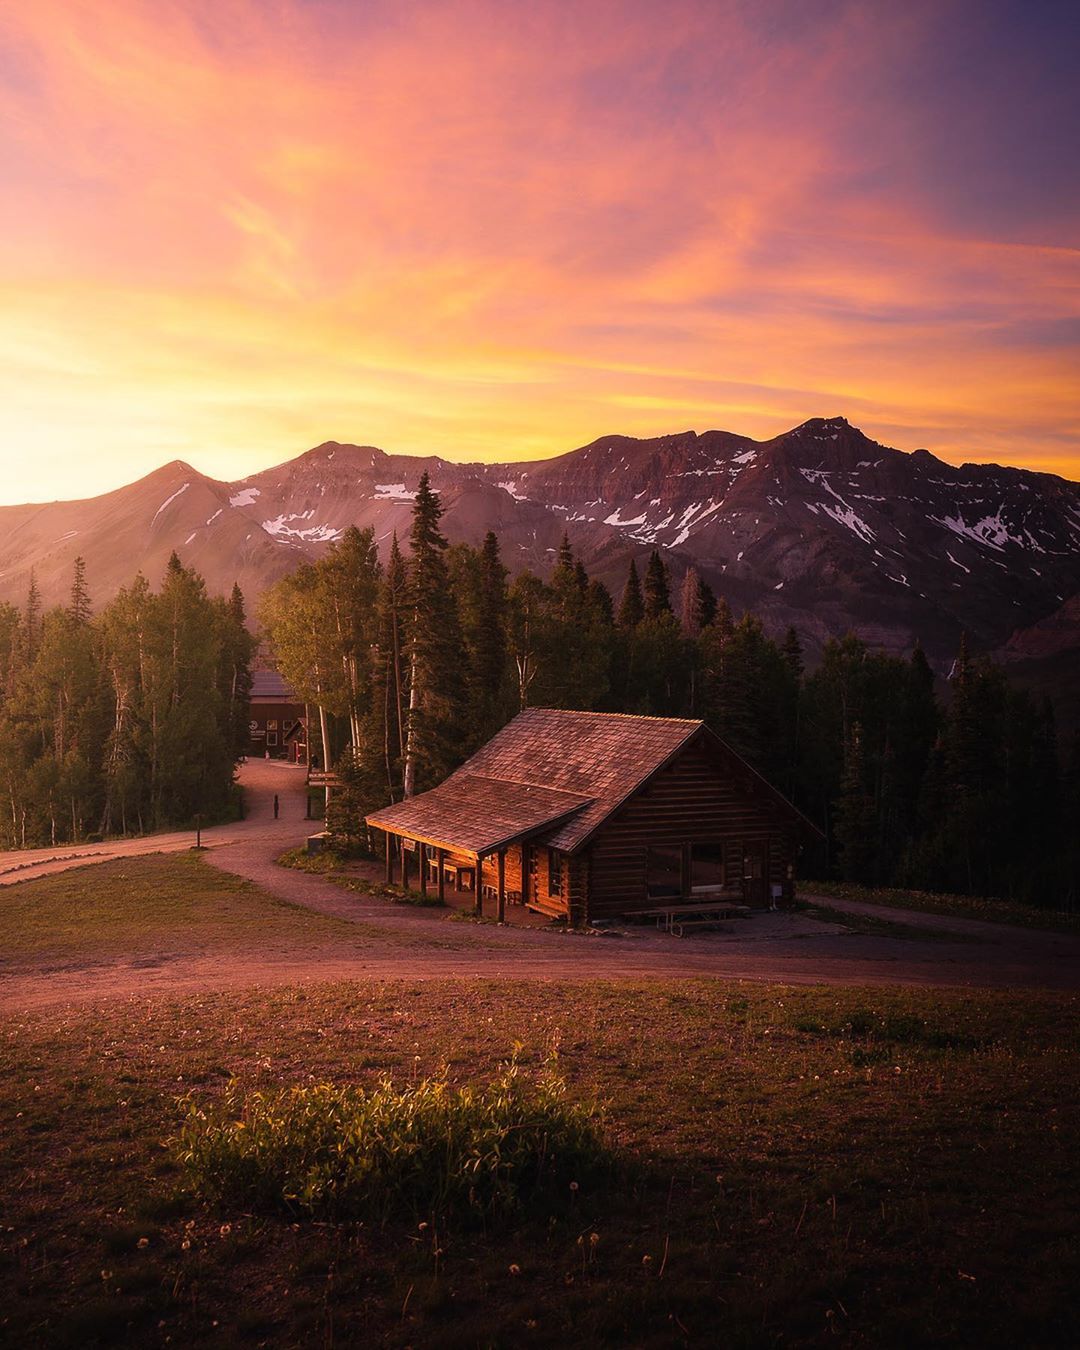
(855, 817)
(31, 620)
(237, 653)
(698, 603)
(792, 652)
(657, 587)
(600, 602)
(435, 727)
(632, 604)
(385, 733)
(490, 663)
(81, 608)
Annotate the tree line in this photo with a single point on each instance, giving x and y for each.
(123, 721)
(413, 663)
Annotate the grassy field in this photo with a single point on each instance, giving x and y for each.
(160, 901)
(794, 1167)
(934, 902)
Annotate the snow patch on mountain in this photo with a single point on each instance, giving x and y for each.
(990, 531)
(844, 515)
(281, 528)
(245, 497)
(614, 518)
(393, 492)
(168, 502)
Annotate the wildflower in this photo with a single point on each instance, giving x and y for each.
(574, 1186)
(143, 1243)
(594, 1238)
(226, 1229)
(515, 1270)
(646, 1261)
(185, 1246)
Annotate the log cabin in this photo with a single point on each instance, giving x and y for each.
(593, 817)
(278, 725)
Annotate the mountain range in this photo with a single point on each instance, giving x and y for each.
(821, 527)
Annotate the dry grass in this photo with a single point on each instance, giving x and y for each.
(133, 905)
(801, 1167)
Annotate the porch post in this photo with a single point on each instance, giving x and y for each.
(389, 858)
(422, 854)
(478, 907)
(404, 865)
(440, 857)
(525, 872)
(502, 886)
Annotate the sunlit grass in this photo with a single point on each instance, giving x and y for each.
(425, 1150)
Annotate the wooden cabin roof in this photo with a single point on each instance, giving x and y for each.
(603, 756)
(477, 814)
(578, 766)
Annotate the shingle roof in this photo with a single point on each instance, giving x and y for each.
(604, 756)
(478, 814)
(585, 763)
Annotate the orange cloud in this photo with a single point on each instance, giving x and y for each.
(491, 231)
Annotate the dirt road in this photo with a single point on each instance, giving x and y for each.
(261, 780)
(400, 942)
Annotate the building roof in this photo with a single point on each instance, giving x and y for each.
(269, 684)
(587, 763)
(478, 815)
(604, 756)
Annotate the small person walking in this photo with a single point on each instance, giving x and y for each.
(276, 806)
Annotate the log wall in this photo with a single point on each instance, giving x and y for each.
(699, 798)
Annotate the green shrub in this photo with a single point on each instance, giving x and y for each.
(429, 1149)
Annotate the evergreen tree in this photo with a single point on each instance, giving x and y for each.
(855, 815)
(657, 587)
(600, 602)
(697, 607)
(435, 728)
(632, 604)
(81, 608)
(387, 713)
(31, 620)
(237, 653)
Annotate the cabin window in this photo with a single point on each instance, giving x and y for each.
(706, 867)
(554, 872)
(271, 738)
(663, 871)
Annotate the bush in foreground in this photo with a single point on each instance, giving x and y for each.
(350, 1152)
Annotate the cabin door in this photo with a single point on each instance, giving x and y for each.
(755, 874)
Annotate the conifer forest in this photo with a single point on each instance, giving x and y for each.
(125, 720)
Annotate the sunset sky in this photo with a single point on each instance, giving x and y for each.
(232, 230)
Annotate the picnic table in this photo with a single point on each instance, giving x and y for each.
(693, 914)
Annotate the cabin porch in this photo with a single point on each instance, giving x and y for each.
(520, 882)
